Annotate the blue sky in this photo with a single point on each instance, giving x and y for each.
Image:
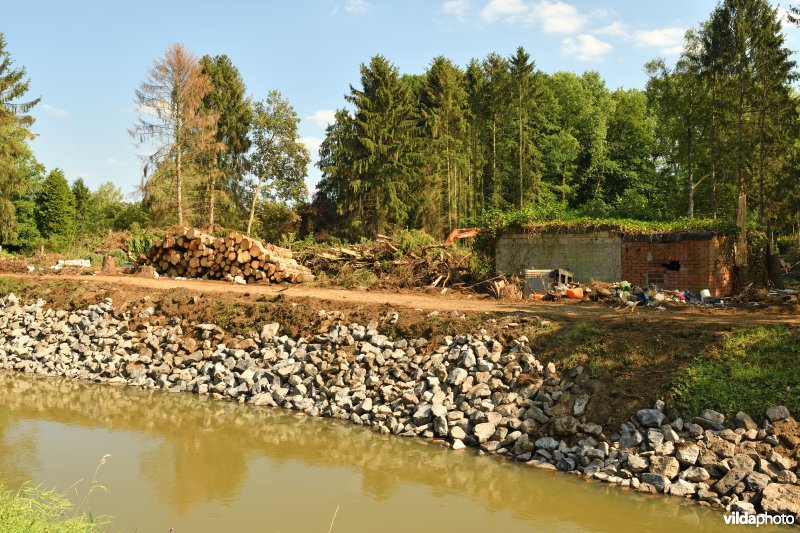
(85, 59)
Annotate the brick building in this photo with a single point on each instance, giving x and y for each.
(691, 260)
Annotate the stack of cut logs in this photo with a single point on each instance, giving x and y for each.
(190, 253)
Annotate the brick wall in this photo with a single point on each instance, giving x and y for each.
(699, 263)
(595, 255)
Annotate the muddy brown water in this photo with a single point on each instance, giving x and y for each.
(192, 464)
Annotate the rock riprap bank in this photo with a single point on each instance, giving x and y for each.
(469, 391)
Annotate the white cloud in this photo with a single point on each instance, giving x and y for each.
(672, 50)
(55, 110)
(456, 8)
(505, 9)
(322, 118)
(356, 7)
(585, 47)
(669, 40)
(113, 162)
(312, 145)
(558, 17)
(553, 16)
(615, 29)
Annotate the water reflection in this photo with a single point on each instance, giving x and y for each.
(18, 450)
(200, 453)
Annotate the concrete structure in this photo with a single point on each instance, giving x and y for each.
(678, 260)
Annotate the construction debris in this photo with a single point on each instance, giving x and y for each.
(190, 253)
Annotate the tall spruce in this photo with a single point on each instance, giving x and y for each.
(55, 206)
(385, 146)
(228, 100)
(443, 109)
(15, 126)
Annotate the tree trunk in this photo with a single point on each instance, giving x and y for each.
(253, 206)
(761, 167)
(690, 211)
(714, 149)
(211, 200)
(494, 159)
(519, 116)
(774, 263)
(741, 278)
(179, 184)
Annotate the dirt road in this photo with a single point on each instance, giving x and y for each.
(561, 311)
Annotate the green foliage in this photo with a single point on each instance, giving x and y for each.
(139, 243)
(755, 369)
(349, 278)
(554, 218)
(34, 510)
(279, 162)
(413, 240)
(131, 216)
(55, 208)
(14, 134)
(229, 101)
(790, 246)
(274, 220)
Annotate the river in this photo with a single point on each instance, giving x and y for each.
(185, 462)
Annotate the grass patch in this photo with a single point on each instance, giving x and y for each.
(753, 370)
(348, 278)
(225, 314)
(15, 285)
(33, 510)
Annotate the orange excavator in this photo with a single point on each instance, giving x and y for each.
(461, 233)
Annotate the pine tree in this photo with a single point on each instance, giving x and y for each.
(385, 148)
(14, 134)
(55, 206)
(227, 99)
(443, 110)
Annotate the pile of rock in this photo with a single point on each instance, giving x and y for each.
(188, 252)
(468, 390)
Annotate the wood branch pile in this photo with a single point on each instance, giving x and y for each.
(190, 253)
(434, 266)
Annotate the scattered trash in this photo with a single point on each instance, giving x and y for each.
(576, 293)
(83, 263)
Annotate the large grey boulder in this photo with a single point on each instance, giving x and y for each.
(661, 483)
(650, 418)
(777, 413)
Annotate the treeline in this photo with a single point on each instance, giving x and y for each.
(218, 159)
(215, 158)
(714, 136)
(50, 213)
(450, 146)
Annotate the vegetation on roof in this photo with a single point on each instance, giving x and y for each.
(547, 219)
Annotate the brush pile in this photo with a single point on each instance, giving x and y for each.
(393, 265)
(190, 253)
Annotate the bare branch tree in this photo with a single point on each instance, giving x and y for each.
(170, 118)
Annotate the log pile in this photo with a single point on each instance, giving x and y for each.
(190, 253)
